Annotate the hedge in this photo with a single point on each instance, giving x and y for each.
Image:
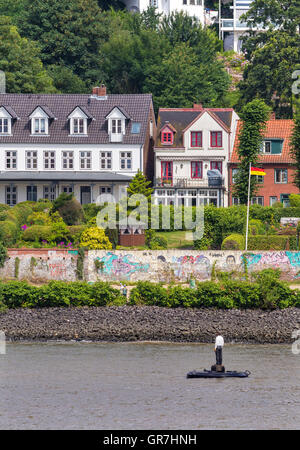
(268, 242)
(267, 292)
(15, 294)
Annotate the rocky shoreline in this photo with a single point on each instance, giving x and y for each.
(150, 323)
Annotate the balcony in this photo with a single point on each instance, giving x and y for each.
(214, 182)
(230, 25)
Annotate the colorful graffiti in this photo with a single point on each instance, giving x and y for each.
(273, 259)
(186, 265)
(120, 266)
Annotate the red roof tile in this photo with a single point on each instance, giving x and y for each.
(276, 129)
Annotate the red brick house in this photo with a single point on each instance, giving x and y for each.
(276, 161)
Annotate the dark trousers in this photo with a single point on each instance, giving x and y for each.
(219, 355)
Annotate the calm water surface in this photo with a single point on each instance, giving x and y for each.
(143, 386)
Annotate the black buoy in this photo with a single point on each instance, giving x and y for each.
(218, 370)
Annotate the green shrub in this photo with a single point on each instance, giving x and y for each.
(21, 212)
(268, 242)
(234, 242)
(4, 207)
(74, 232)
(69, 208)
(147, 293)
(9, 232)
(38, 218)
(19, 293)
(91, 210)
(38, 233)
(273, 292)
(294, 200)
(256, 227)
(158, 243)
(3, 254)
(179, 296)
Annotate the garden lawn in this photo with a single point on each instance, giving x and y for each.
(177, 239)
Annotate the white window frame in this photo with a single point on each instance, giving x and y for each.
(105, 160)
(85, 160)
(126, 158)
(5, 122)
(281, 176)
(75, 127)
(264, 147)
(274, 199)
(68, 156)
(79, 126)
(31, 160)
(11, 192)
(5, 117)
(12, 157)
(49, 159)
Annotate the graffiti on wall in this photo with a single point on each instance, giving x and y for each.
(186, 265)
(120, 266)
(273, 259)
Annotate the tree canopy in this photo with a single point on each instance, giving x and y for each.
(19, 59)
(254, 117)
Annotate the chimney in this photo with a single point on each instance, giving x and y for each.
(198, 106)
(272, 116)
(100, 91)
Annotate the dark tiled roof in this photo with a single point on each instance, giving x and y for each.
(10, 111)
(137, 107)
(62, 176)
(182, 118)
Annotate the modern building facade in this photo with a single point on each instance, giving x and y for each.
(191, 7)
(88, 144)
(233, 29)
(277, 162)
(192, 150)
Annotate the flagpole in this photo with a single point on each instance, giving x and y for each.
(248, 206)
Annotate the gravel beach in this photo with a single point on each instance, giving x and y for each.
(150, 323)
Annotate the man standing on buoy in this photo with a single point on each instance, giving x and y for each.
(218, 367)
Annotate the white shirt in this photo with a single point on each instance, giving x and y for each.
(219, 341)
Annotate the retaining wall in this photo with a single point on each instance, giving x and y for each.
(153, 265)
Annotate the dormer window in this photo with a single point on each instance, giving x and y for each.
(39, 126)
(4, 125)
(167, 133)
(167, 137)
(78, 125)
(116, 126)
(5, 122)
(117, 123)
(78, 121)
(40, 121)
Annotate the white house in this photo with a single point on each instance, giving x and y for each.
(233, 29)
(191, 7)
(88, 144)
(192, 150)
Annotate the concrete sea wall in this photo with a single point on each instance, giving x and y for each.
(153, 265)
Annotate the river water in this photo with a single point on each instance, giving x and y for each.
(136, 386)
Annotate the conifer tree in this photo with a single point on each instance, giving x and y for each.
(254, 118)
(295, 148)
(140, 185)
